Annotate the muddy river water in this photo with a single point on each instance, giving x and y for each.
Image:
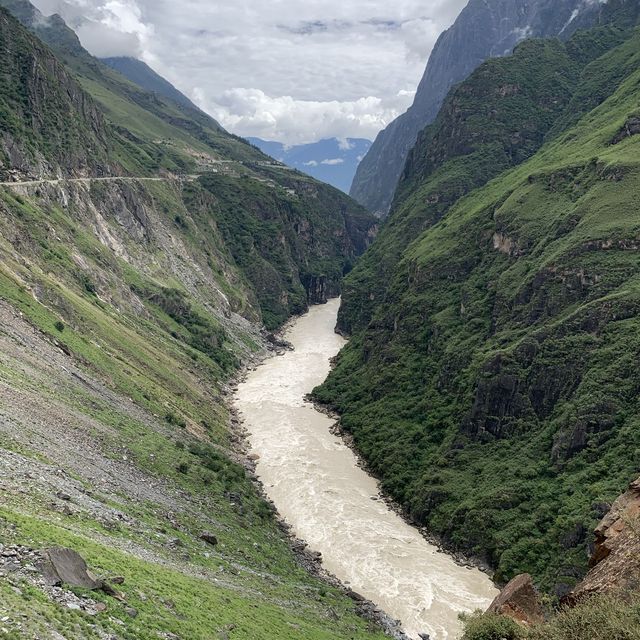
(331, 503)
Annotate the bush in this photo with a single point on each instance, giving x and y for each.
(172, 418)
(59, 325)
(490, 626)
(599, 618)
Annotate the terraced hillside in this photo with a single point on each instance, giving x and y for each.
(491, 378)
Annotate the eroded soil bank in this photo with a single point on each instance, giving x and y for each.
(318, 487)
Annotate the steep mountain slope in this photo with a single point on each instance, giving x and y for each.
(332, 161)
(77, 147)
(123, 317)
(485, 29)
(144, 76)
(150, 133)
(490, 380)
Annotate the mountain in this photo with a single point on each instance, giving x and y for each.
(489, 380)
(332, 161)
(142, 249)
(144, 76)
(484, 29)
(150, 132)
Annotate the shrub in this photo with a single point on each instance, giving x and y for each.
(490, 626)
(599, 618)
(172, 418)
(59, 325)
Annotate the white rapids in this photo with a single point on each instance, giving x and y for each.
(331, 503)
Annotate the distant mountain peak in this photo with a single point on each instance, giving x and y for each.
(332, 160)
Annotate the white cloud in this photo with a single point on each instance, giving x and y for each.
(333, 162)
(254, 113)
(288, 70)
(311, 163)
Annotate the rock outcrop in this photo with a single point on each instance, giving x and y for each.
(519, 601)
(615, 563)
(66, 566)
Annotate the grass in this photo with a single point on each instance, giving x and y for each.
(168, 601)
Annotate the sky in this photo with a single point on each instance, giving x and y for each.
(295, 71)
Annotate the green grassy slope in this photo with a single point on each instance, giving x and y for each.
(494, 389)
(125, 311)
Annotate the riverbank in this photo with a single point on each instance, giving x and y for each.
(459, 558)
(311, 561)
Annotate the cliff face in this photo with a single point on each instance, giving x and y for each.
(615, 562)
(486, 378)
(38, 138)
(483, 30)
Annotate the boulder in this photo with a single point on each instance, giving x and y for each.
(519, 601)
(209, 538)
(67, 566)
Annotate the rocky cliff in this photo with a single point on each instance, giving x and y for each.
(615, 562)
(36, 98)
(603, 605)
(489, 375)
(484, 29)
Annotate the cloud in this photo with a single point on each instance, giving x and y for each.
(289, 70)
(107, 41)
(333, 162)
(311, 163)
(345, 145)
(301, 121)
(105, 27)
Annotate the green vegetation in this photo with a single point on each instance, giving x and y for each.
(491, 379)
(285, 231)
(600, 618)
(285, 237)
(127, 306)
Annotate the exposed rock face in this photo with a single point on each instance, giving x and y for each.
(38, 94)
(316, 287)
(616, 560)
(485, 29)
(519, 601)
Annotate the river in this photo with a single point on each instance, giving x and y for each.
(331, 503)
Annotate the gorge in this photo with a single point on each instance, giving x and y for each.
(478, 346)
